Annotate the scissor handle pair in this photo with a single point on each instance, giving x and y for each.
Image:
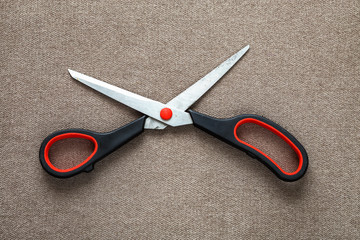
(225, 130)
(104, 144)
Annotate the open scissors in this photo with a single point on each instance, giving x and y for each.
(175, 113)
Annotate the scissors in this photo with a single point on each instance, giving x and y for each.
(175, 113)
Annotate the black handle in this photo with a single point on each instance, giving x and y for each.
(105, 143)
(225, 130)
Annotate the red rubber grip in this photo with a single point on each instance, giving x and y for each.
(278, 133)
(64, 136)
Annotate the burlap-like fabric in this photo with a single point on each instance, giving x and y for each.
(302, 71)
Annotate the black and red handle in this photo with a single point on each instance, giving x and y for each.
(225, 130)
(104, 144)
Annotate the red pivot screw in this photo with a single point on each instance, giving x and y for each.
(166, 113)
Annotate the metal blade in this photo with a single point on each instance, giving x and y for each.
(188, 97)
(142, 104)
(151, 123)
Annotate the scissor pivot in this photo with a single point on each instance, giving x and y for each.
(166, 113)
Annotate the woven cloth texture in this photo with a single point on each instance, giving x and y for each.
(302, 71)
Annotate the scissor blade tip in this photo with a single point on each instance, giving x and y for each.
(243, 51)
(71, 72)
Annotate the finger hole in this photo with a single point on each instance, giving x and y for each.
(270, 144)
(70, 152)
(71, 136)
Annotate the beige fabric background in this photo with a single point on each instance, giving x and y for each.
(302, 71)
